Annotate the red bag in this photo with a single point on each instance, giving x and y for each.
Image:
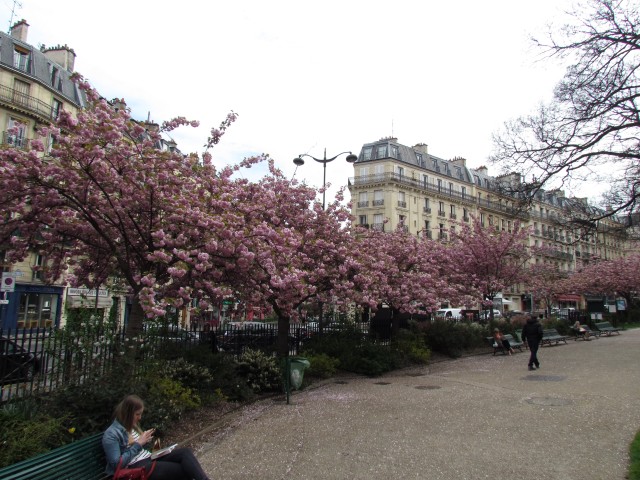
(137, 473)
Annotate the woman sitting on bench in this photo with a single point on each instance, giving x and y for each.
(499, 339)
(580, 330)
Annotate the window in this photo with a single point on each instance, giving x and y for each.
(56, 107)
(16, 135)
(400, 171)
(453, 210)
(463, 191)
(378, 198)
(441, 208)
(482, 219)
(363, 219)
(364, 171)
(401, 200)
(402, 219)
(394, 152)
(39, 264)
(419, 158)
(21, 59)
(366, 153)
(425, 180)
(477, 179)
(465, 215)
(56, 81)
(21, 92)
(378, 221)
(439, 185)
(426, 202)
(381, 151)
(379, 169)
(362, 196)
(37, 310)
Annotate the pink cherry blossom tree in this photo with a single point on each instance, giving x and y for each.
(545, 281)
(295, 250)
(104, 201)
(620, 277)
(408, 274)
(491, 259)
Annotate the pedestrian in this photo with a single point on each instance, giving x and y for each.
(532, 336)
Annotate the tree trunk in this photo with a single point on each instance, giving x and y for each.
(136, 318)
(283, 336)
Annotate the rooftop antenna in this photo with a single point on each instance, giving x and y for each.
(16, 5)
(392, 136)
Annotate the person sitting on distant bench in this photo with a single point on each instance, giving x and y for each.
(499, 339)
(580, 329)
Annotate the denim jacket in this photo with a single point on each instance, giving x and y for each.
(115, 442)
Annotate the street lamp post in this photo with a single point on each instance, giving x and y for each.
(298, 161)
(351, 158)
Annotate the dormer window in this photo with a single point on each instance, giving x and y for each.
(419, 159)
(366, 153)
(394, 152)
(381, 151)
(21, 59)
(56, 81)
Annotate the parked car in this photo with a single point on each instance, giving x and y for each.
(16, 363)
(486, 314)
(449, 313)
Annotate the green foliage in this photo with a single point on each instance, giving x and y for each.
(634, 454)
(453, 339)
(167, 400)
(25, 431)
(322, 366)
(260, 370)
(411, 347)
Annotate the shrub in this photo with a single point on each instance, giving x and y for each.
(26, 431)
(411, 347)
(322, 366)
(453, 339)
(261, 371)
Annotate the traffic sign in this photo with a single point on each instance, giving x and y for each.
(8, 282)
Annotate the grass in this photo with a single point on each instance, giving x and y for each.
(634, 454)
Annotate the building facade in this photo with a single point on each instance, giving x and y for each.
(395, 185)
(35, 86)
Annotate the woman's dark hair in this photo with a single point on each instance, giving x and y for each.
(126, 409)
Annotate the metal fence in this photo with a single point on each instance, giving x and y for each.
(40, 360)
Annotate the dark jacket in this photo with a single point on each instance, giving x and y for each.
(532, 331)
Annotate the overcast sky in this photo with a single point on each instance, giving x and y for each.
(308, 75)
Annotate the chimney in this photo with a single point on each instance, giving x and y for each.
(483, 170)
(19, 30)
(421, 148)
(62, 55)
(460, 161)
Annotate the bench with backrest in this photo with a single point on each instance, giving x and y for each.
(81, 460)
(605, 328)
(498, 347)
(587, 334)
(550, 336)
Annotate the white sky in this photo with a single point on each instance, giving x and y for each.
(308, 75)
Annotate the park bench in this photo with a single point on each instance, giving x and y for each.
(551, 336)
(583, 335)
(605, 328)
(498, 347)
(80, 460)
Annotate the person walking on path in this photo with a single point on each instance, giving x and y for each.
(532, 336)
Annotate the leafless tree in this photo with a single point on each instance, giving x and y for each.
(591, 128)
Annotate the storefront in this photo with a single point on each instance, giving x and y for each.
(32, 306)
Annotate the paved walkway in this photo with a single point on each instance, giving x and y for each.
(471, 418)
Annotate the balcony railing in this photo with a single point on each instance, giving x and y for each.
(453, 216)
(364, 180)
(378, 226)
(26, 102)
(441, 213)
(427, 209)
(465, 218)
(402, 204)
(377, 203)
(442, 236)
(363, 204)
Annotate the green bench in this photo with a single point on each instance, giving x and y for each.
(551, 336)
(605, 328)
(499, 347)
(81, 460)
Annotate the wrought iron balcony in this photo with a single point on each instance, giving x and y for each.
(363, 204)
(26, 102)
(427, 209)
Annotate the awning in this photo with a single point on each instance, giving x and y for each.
(568, 298)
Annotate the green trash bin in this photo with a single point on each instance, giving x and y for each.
(296, 371)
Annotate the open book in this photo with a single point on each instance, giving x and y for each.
(163, 451)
